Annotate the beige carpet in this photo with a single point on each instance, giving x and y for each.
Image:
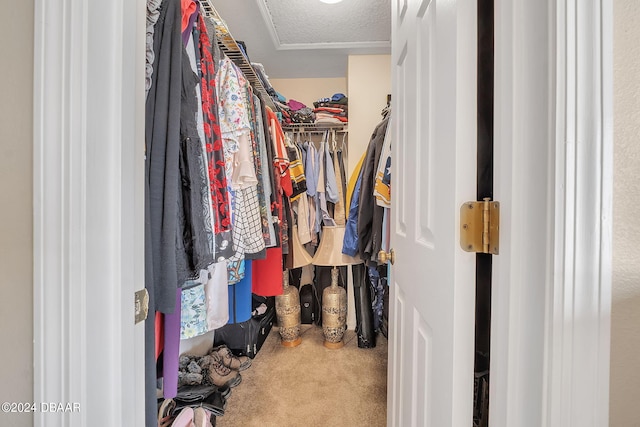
(311, 386)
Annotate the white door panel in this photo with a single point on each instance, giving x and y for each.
(432, 282)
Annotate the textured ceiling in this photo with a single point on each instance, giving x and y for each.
(308, 38)
(311, 21)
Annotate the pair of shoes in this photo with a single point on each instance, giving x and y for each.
(165, 413)
(184, 418)
(230, 360)
(209, 397)
(189, 417)
(221, 375)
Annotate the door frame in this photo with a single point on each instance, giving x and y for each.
(88, 213)
(554, 165)
(88, 223)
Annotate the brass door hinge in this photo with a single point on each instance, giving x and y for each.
(141, 305)
(480, 227)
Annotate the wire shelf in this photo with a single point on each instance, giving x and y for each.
(230, 47)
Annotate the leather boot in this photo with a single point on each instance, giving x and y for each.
(230, 360)
(220, 375)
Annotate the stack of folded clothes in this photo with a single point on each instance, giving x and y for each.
(300, 113)
(332, 110)
(295, 111)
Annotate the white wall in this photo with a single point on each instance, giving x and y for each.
(369, 84)
(625, 316)
(16, 237)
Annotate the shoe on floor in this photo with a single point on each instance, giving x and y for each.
(230, 360)
(165, 413)
(184, 418)
(202, 417)
(222, 376)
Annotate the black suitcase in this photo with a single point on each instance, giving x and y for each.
(246, 338)
(309, 304)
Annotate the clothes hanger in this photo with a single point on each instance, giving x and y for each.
(333, 140)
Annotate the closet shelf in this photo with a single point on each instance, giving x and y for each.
(317, 127)
(230, 47)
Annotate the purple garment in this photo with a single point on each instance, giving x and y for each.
(171, 356)
(192, 19)
(295, 105)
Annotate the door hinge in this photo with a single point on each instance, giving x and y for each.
(480, 226)
(141, 305)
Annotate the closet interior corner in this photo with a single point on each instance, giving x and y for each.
(267, 201)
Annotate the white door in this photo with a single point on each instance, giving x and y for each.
(431, 342)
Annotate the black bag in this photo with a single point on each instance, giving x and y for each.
(309, 304)
(246, 338)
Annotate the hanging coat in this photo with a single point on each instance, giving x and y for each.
(370, 215)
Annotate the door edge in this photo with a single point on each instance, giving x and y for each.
(88, 211)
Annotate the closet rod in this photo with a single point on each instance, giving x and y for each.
(230, 47)
(314, 127)
(311, 131)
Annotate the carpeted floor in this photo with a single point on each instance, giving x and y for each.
(311, 386)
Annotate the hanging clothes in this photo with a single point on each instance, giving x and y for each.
(296, 170)
(312, 172)
(260, 161)
(193, 314)
(301, 209)
(269, 174)
(268, 272)
(370, 215)
(189, 11)
(339, 214)
(240, 295)
(322, 213)
(382, 187)
(221, 215)
(267, 278)
(162, 136)
(283, 185)
(353, 178)
(153, 13)
(331, 183)
(162, 141)
(350, 242)
(194, 209)
(252, 242)
(171, 353)
(235, 114)
(217, 296)
(234, 119)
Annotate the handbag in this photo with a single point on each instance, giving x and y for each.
(309, 304)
